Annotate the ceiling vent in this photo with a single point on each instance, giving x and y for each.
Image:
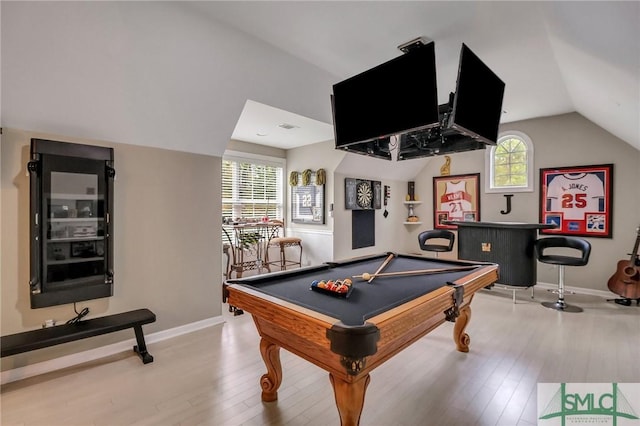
(287, 126)
(412, 44)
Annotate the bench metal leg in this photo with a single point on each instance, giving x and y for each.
(141, 347)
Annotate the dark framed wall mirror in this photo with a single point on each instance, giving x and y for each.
(71, 222)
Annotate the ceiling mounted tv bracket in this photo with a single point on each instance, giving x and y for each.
(416, 42)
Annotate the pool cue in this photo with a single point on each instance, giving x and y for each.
(417, 272)
(384, 264)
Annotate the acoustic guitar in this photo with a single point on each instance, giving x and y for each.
(626, 281)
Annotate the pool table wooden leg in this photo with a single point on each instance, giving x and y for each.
(461, 338)
(271, 381)
(349, 398)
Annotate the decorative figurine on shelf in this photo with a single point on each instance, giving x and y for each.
(411, 196)
(412, 217)
(445, 170)
(411, 191)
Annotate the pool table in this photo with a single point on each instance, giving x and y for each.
(350, 336)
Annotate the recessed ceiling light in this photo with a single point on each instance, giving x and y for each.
(262, 134)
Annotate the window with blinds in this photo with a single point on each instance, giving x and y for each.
(251, 189)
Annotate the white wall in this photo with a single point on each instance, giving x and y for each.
(317, 240)
(143, 73)
(153, 73)
(332, 241)
(137, 74)
(563, 140)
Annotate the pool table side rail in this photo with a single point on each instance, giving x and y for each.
(299, 330)
(297, 319)
(238, 289)
(397, 255)
(472, 282)
(480, 278)
(303, 331)
(402, 326)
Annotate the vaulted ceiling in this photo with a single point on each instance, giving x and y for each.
(555, 57)
(179, 74)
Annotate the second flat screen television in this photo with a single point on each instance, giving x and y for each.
(477, 104)
(397, 96)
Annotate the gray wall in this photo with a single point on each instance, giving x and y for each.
(563, 140)
(142, 74)
(167, 217)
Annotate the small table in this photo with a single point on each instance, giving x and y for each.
(243, 237)
(349, 337)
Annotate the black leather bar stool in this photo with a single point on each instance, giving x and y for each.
(424, 240)
(575, 252)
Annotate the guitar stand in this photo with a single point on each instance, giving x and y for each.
(624, 302)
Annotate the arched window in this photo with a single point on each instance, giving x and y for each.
(509, 164)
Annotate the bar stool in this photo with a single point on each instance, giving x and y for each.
(426, 245)
(282, 243)
(578, 255)
(226, 248)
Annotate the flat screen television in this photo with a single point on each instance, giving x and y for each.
(435, 142)
(477, 104)
(395, 97)
(378, 148)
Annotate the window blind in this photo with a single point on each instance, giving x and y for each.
(251, 189)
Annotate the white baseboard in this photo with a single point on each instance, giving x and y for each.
(21, 373)
(549, 286)
(578, 290)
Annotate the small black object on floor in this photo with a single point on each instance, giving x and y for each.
(624, 301)
(235, 311)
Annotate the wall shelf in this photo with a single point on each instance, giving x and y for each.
(410, 213)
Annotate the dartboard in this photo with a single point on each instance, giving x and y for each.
(364, 195)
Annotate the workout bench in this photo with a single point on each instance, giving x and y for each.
(44, 337)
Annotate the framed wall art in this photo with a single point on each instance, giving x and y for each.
(362, 194)
(307, 202)
(456, 198)
(578, 200)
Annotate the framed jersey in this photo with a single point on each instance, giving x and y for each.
(578, 200)
(456, 198)
(307, 202)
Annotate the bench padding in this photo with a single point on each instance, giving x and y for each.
(44, 337)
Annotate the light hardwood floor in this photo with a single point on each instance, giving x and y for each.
(210, 377)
